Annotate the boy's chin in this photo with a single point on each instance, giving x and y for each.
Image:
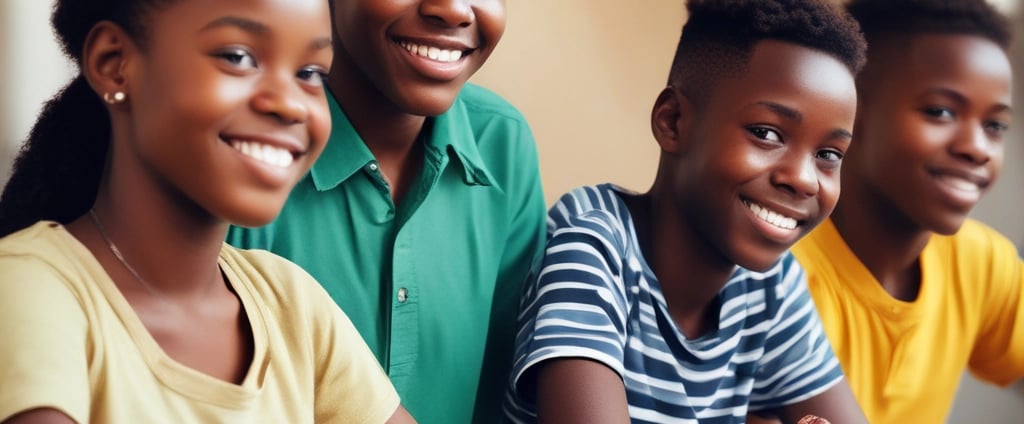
(428, 101)
(948, 227)
(761, 261)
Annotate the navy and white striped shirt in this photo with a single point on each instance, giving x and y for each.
(595, 297)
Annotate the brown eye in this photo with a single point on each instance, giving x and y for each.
(764, 133)
(829, 158)
(237, 58)
(314, 75)
(996, 129)
(829, 155)
(939, 112)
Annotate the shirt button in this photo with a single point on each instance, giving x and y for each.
(403, 295)
(372, 167)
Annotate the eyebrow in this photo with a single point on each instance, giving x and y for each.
(259, 28)
(795, 116)
(963, 100)
(248, 25)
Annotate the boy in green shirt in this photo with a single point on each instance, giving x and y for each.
(423, 214)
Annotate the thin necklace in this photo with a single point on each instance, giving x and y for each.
(120, 258)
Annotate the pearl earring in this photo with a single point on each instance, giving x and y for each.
(116, 98)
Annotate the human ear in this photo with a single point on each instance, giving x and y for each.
(670, 120)
(104, 59)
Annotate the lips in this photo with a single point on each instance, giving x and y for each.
(961, 179)
(959, 183)
(438, 60)
(265, 153)
(772, 217)
(431, 52)
(961, 187)
(268, 157)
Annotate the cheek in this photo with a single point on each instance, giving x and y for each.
(491, 18)
(319, 126)
(828, 191)
(200, 99)
(740, 161)
(996, 161)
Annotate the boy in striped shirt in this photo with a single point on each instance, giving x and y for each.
(682, 304)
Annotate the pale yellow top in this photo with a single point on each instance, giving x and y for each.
(904, 360)
(69, 340)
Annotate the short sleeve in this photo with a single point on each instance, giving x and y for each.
(798, 361)
(44, 349)
(998, 354)
(351, 387)
(575, 305)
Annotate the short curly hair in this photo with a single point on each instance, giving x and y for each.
(881, 18)
(719, 36)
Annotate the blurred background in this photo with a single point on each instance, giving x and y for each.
(585, 73)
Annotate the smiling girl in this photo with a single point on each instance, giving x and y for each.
(119, 301)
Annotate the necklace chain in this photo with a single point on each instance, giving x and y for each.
(120, 257)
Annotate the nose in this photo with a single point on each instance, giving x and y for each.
(798, 175)
(973, 144)
(281, 97)
(449, 13)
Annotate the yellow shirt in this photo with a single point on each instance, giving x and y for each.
(69, 340)
(904, 359)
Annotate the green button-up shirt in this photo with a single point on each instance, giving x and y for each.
(433, 284)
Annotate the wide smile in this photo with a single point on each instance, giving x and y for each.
(271, 160)
(440, 61)
(431, 52)
(775, 218)
(774, 224)
(265, 153)
(961, 188)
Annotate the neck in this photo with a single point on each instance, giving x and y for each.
(690, 270)
(391, 134)
(383, 125)
(168, 243)
(887, 242)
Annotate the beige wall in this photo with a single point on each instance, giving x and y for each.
(586, 73)
(31, 70)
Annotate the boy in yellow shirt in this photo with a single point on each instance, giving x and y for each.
(911, 291)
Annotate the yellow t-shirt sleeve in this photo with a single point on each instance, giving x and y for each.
(352, 386)
(998, 355)
(43, 347)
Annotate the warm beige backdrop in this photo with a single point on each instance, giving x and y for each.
(586, 73)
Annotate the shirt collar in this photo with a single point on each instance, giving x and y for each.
(346, 153)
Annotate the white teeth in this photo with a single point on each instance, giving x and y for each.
(961, 184)
(432, 53)
(265, 153)
(772, 217)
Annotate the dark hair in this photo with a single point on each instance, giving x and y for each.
(719, 36)
(880, 18)
(57, 172)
